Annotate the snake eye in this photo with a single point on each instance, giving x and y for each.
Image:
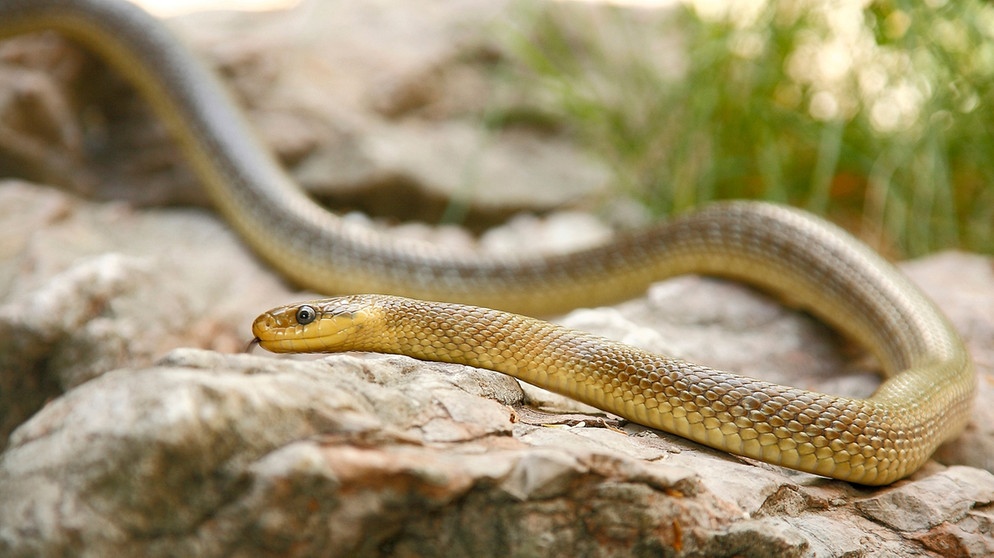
(306, 315)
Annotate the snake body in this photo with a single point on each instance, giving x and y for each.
(924, 400)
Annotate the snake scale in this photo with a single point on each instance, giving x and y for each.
(923, 401)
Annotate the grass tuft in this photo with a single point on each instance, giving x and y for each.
(877, 116)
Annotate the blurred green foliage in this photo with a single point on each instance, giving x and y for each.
(876, 114)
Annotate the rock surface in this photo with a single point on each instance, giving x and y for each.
(203, 453)
(376, 105)
(130, 425)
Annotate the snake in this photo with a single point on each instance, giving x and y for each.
(435, 304)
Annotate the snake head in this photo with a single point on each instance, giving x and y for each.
(320, 326)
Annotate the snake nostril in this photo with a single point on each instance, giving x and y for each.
(264, 323)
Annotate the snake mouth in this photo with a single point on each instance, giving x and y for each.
(268, 333)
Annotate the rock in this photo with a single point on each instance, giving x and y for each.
(914, 507)
(284, 449)
(203, 453)
(375, 105)
(88, 288)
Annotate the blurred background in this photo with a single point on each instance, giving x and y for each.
(168, 8)
(874, 113)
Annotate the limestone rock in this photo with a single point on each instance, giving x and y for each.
(88, 288)
(376, 105)
(119, 450)
(213, 455)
